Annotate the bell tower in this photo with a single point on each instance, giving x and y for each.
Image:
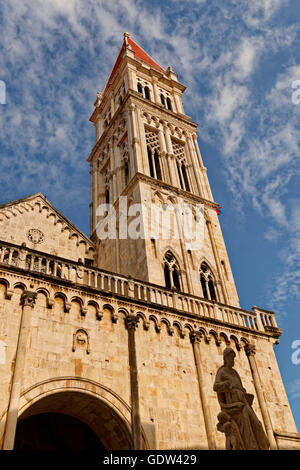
(146, 157)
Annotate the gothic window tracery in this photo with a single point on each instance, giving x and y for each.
(166, 100)
(178, 150)
(171, 271)
(143, 87)
(140, 88)
(207, 282)
(153, 151)
(125, 161)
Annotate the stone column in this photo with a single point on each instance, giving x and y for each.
(94, 191)
(163, 158)
(170, 157)
(250, 353)
(217, 260)
(131, 325)
(27, 302)
(195, 337)
(202, 168)
(133, 139)
(196, 172)
(142, 140)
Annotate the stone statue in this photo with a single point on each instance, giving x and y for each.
(237, 420)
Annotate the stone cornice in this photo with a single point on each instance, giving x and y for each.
(171, 189)
(125, 301)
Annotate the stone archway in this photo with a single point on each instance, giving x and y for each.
(55, 431)
(97, 414)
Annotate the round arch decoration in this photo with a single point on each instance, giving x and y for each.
(54, 394)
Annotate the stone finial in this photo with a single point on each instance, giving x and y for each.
(98, 99)
(126, 35)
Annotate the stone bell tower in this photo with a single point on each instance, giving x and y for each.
(146, 149)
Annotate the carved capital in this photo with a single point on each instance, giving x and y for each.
(195, 337)
(131, 322)
(250, 349)
(28, 298)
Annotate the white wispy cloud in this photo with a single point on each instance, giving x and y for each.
(58, 53)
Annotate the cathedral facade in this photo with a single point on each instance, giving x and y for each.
(113, 342)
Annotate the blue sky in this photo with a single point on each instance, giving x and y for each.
(238, 60)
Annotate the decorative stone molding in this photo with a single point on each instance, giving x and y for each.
(131, 322)
(81, 338)
(250, 349)
(196, 336)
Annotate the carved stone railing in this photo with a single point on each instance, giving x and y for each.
(79, 273)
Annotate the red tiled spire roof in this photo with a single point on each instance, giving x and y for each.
(139, 54)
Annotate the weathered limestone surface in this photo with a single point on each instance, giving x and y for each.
(107, 340)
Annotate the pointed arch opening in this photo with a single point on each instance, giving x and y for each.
(171, 271)
(147, 93)
(208, 283)
(169, 104)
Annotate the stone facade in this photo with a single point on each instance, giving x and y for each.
(88, 328)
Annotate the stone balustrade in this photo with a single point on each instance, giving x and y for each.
(79, 273)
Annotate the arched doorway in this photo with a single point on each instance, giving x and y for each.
(55, 431)
(61, 419)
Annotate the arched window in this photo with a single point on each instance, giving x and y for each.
(179, 175)
(171, 271)
(162, 99)
(126, 172)
(140, 88)
(203, 285)
(169, 104)
(157, 165)
(107, 196)
(207, 282)
(147, 93)
(154, 163)
(185, 177)
(182, 175)
(179, 151)
(211, 289)
(150, 161)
